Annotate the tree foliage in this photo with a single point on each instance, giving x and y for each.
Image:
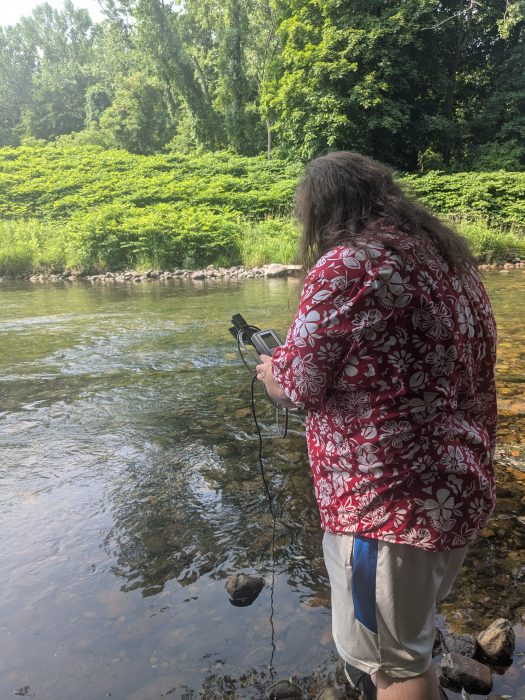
(419, 84)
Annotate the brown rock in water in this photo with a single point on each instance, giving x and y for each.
(243, 589)
(497, 641)
(284, 690)
(458, 671)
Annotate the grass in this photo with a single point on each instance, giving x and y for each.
(269, 241)
(491, 243)
(34, 246)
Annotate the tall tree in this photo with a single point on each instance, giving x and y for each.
(63, 40)
(160, 33)
(18, 58)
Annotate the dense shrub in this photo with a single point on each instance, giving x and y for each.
(497, 196)
(93, 209)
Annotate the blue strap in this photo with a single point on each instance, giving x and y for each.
(364, 566)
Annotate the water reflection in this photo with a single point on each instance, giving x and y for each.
(131, 489)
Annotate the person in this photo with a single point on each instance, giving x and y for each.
(392, 354)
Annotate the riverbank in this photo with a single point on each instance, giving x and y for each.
(209, 274)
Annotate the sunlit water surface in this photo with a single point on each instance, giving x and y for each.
(130, 490)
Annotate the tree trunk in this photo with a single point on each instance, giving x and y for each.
(464, 21)
(269, 139)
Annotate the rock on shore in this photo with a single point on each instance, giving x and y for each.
(210, 273)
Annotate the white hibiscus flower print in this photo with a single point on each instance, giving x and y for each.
(440, 508)
(435, 319)
(340, 482)
(324, 492)
(330, 352)
(391, 289)
(476, 508)
(427, 283)
(348, 518)
(465, 318)
(424, 464)
(357, 405)
(454, 460)
(399, 516)
(307, 378)
(374, 518)
(367, 461)
(420, 537)
(351, 366)
(335, 444)
(395, 433)
(464, 536)
(367, 324)
(352, 259)
(442, 360)
(429, 404)
(306, 324)
(401, 360)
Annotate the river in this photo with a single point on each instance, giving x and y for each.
(130, 490)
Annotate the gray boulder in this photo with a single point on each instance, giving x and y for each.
(464, 644)
(276, 270)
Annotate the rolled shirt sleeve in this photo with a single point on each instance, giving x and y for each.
(338, 302)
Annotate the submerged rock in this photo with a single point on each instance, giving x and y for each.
(284, 690)
(459, 671)
(243, 589)
(497, 641)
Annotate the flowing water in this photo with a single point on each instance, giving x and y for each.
(130, 490)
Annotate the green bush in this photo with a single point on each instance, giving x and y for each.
(66, 205)
(497, 197)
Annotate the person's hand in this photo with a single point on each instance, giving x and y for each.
(264, 370)
(274, 391)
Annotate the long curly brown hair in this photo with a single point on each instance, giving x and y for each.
(345, 197)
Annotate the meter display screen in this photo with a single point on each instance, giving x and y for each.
(270, 339)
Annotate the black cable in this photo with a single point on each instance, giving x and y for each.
(274, 523)
(266, 486)
(261, 464)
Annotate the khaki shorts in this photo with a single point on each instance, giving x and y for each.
(384, 601)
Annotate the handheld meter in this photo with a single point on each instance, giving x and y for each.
(264, 342)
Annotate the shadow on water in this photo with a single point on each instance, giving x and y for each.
(131, 490)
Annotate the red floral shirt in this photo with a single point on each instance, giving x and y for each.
(393, 357)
